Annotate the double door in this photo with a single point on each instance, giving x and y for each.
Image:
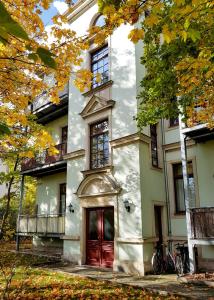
(100, 236)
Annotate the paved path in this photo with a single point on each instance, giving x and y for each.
(162, 284)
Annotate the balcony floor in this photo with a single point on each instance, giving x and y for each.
(46, 169)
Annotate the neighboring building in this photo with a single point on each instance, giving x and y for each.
(112, 193)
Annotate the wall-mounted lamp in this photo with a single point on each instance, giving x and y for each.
(71, 208)
(127, 205)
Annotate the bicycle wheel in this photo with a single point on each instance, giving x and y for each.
(170, 264)
(156, 264)
(179, 268)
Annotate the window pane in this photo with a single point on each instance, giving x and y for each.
(108, 234)
(62, 198)
(62, 204)
(154, 146)
(192, 191)
(100, 21)
(179, 187)
(99, 64)
(93, 228)
(99, 144)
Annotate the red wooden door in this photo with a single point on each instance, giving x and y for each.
(100, 237)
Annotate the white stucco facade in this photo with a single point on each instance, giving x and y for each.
(129, 176)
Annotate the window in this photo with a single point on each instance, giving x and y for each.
(62, 198)
(64, 134)
(154, 145)
(64, 138)
(100, 21)
(173, 122)
(99, 145)
(179, 187)
(100, 65)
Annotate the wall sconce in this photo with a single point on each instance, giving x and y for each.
(127, 205)
(71, 208)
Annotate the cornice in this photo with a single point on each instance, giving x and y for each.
(98, 89)
(177, 145)
(77, 9)
(106, 169)
(74, 154)
(130, 139)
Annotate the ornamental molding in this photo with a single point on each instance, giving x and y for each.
(96, 185)
(95, 105)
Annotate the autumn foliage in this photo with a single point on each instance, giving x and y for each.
(178, 38)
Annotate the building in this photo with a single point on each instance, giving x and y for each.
(112, 193)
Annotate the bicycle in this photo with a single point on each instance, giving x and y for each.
(162, 263)
(182, 259)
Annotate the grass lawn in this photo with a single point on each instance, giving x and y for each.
(33, 282)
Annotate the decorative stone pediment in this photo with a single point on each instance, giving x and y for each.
(98, 185)
(96, 104)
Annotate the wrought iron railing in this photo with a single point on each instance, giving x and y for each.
(44, 158)
(202, 222)
(45, 224)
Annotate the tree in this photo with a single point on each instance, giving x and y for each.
(32, 62)
(178, 38)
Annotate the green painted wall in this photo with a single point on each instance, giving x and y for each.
(48, 193)
(205, 171)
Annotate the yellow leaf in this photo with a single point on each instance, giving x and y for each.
(136, 34)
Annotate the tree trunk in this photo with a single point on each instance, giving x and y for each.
(5, 215)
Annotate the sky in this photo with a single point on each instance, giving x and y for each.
(58, 6)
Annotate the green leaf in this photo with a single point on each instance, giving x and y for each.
(11, 26)
(46, 57)
(33, 56)
(15, 29)
(3, 41)
(4, 14)
(4, 129)
(3, 33)
(186, 24)
(194, 35)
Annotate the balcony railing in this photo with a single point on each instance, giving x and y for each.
(202, 222)
(45, 158)
(43, 100)
(41, 224)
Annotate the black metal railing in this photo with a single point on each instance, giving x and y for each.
(202, 222)
(44, 158)
(45, 224)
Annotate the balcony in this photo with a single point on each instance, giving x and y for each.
(199, 133)
(41, 225)
(202, 223)
(46, 111)
(45, 164)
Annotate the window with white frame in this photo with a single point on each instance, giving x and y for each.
(100, 66)
(179, 187)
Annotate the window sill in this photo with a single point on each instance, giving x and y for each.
(105, 169)
(98, 88)
(159, 169)
(179, 215)
(170, 128)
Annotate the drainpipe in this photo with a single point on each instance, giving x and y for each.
(20, 211)
(187, 197)
(169, 226)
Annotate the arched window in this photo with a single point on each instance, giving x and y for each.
(100, 21)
